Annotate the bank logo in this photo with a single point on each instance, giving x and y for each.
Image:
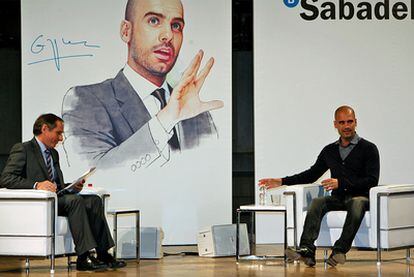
(354, 9)
(291, 3)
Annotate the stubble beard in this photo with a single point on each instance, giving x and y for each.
(145, 65)
(348, 137)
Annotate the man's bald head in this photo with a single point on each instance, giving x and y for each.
(344, 109)
(153, 31)
(130, 9)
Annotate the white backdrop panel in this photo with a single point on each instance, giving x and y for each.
(305, 69)
(193, 190)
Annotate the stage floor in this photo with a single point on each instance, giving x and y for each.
(359, 263)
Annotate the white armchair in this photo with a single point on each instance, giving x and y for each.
(388, 225)
(30, 226)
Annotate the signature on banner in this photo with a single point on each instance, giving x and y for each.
(49, 50)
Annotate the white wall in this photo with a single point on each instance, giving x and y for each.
(304, 70)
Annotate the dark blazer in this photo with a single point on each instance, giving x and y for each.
(107, 123)
(356, 175)
(26, 166)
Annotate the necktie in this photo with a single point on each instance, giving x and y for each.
(160, 95)
(49, 164)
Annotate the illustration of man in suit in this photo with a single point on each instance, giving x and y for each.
(137, 115)
(35, 164)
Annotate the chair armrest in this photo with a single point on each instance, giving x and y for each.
(391, 188)
(21, 208)
(396, 206)
(25, 193)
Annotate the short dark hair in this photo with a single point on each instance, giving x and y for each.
(130, 10)
(49, 119)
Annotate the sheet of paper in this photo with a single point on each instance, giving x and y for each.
(84, 176)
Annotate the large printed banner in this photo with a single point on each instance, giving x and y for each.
(311, 57)
(108, 68)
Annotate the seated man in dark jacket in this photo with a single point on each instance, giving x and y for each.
(354, 165)
(34, 164)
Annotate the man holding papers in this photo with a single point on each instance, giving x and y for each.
(35, 165)
(354, 165)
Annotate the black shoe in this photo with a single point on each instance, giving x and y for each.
(90, 264)
(336, 258)
(110, 261)
(302, 254)
(95, 260)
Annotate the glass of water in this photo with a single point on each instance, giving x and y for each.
(262, 195)
(276, 199)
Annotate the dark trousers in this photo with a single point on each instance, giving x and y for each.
(355, 207)
(87, 222)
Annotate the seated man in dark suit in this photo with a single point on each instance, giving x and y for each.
(35, 165)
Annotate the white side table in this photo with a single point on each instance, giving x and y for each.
(252, 209)
(115, 214)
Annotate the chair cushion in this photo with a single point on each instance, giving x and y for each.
(336, 219)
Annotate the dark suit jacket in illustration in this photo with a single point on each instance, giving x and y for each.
(26, 166)
(109, 123)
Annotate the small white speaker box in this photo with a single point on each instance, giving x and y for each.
(151, 242)
(220, 241)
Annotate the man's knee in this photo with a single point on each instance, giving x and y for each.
(318, 202)
(73, 199)
(93, 201)
(317, 205)
(70, 202)
(359, 203)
